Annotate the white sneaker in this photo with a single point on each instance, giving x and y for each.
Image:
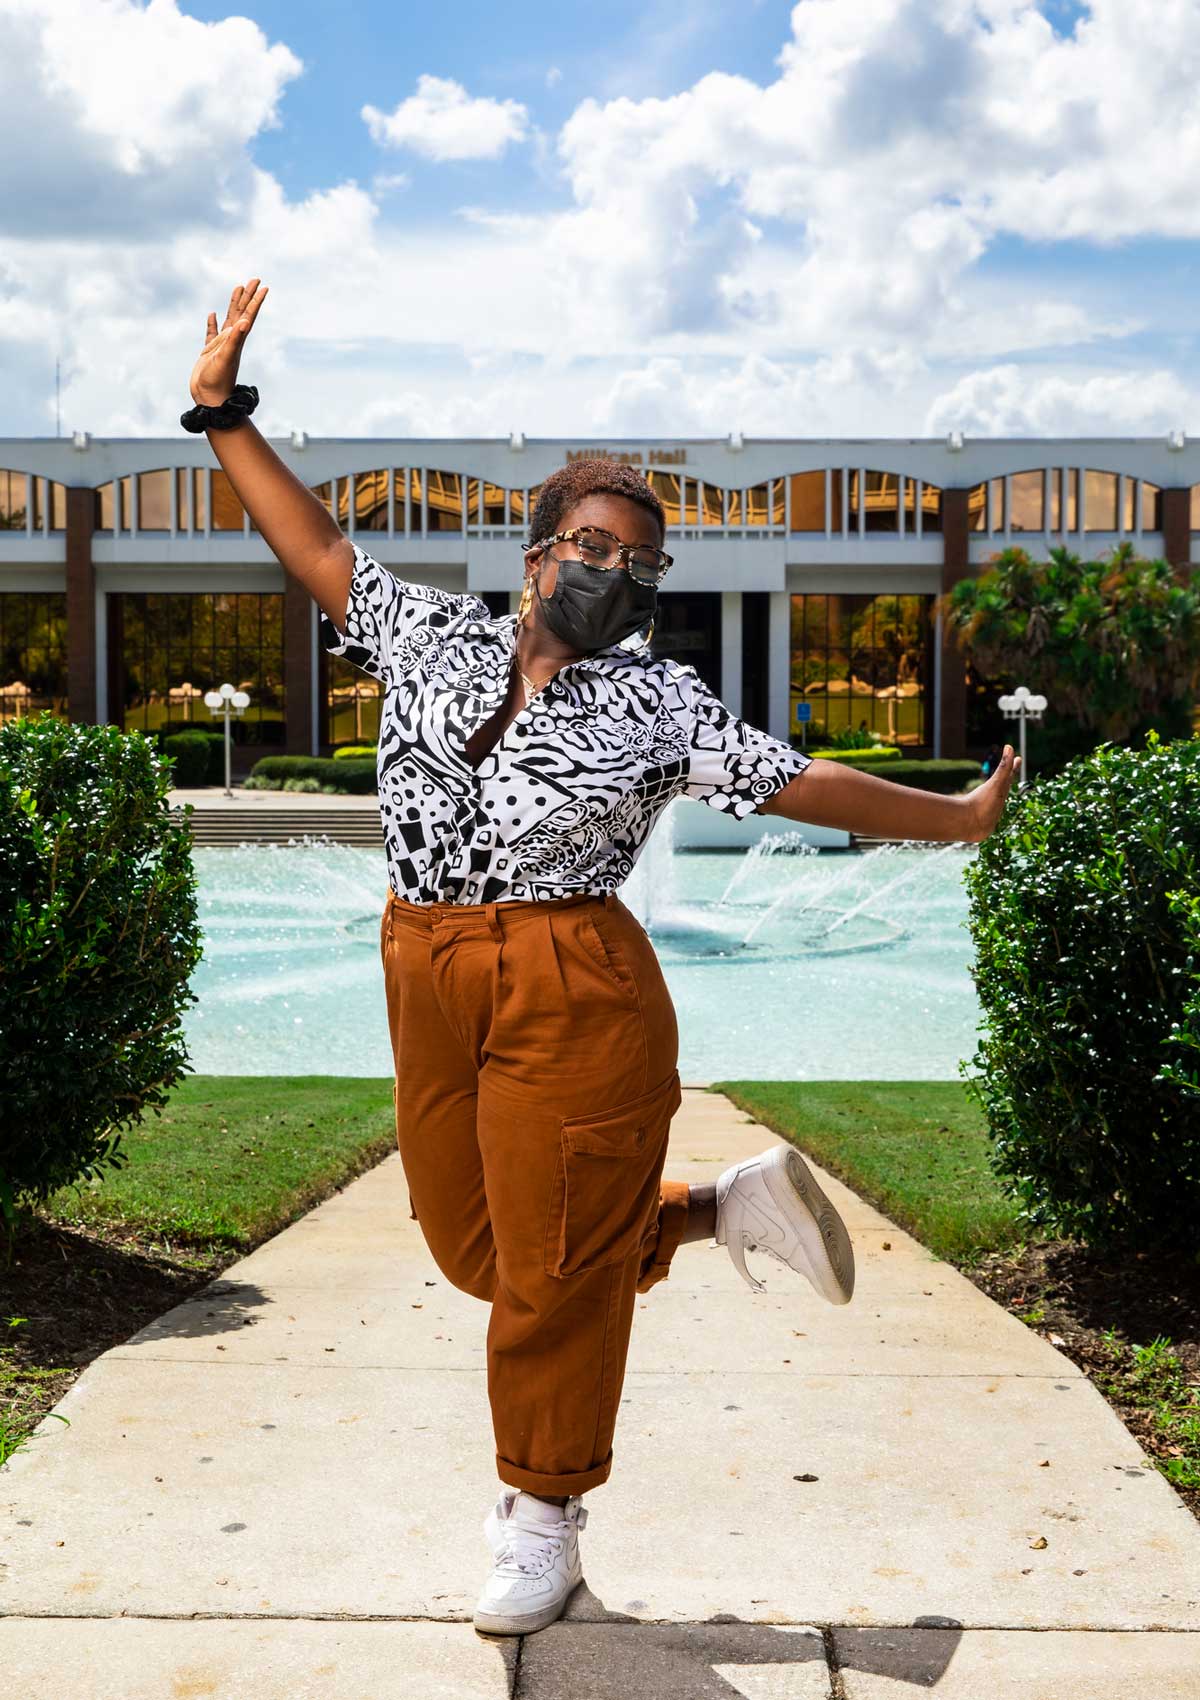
(772, 1203)
(536, 1550)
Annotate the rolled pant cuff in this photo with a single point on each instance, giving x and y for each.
(537, 1481)
(672, 1220)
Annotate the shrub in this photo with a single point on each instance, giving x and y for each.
(194, 756)
(98, 938)
(865, 757)
(1086, 923)
(358, 777)
(302, 785)
(349, 752)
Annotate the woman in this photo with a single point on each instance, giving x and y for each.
(523, 761)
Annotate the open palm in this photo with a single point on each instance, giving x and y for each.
(215, 372)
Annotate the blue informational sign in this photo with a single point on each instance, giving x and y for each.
(803, 711)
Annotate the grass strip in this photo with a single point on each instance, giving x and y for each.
(917, 1149)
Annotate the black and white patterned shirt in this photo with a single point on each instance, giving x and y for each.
(565, 800)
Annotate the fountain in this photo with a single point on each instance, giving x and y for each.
(783, 962)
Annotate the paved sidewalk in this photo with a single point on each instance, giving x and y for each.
(277, 1490)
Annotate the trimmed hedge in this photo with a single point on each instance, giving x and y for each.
(867, 757)
(1085, 914)
(99, 935)
(946, 777)
(356, 776)
(197, 756)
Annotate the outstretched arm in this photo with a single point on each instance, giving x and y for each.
(299, 530)
(831, 793)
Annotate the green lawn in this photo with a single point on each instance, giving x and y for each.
(917, 1149)
(233, 1158)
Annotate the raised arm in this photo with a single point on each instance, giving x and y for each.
(299, 530)
(829, 793)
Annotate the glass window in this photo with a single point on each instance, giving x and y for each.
(494, 504)
(855, 501)
(171, 647)
(712, 505)
(1028, 501)
(996, 506)
(1129, 503)
(1151, 507)
(1194, 509)
(199, 499)
(103, 517)
(371, 500)
(734, 507)
(666, 486)
(13, 500)
(516, 507)
(861, 661)
(58, 506)
(808, 501)
(181, 498)
(33, 653)
(1100, 501)
(882, 502)
(836, 488)
(1056, 498)
(154, 500)
(1071, 474)
(931, 507)
(691, 502)
(758, 504)
(977, 507)
(227, 511)
(443, 501)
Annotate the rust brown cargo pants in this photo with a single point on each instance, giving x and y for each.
(536, 1059)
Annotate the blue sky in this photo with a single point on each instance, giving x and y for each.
(837, 217)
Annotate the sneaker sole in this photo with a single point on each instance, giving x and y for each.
(822, 1232)
(522, 1623)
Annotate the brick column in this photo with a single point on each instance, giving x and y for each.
(81, 605)
(955, 566)
(1177, 526)
(297, 667)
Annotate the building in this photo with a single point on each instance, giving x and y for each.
(132, 580)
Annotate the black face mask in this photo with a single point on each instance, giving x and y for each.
(593, 607)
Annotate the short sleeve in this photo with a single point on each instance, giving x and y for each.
(385, 616)
(734, 767)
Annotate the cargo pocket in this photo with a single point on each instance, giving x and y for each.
(606, 1180)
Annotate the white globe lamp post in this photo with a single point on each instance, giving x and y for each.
(226, 702)
(1023, 705)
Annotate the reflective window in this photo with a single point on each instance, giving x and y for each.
(33, 653)
(758, 504)
(105, 514)
(14, 500)
(734, 507)
(666, 486)
(371, 500)
(228, 513)
(199, 499)
(353, 702)
(881, 499)
(1151, 507)
(996, 506)
(808, 501)
(691, 502)
(1100, 501)
(154, 500)
(443, 501)
(58, 504)
(712, 505)
(1129, 503)
(1071, 477)
(977, 507)
(837, 484)
(1028, 500)
(931, 507)
(516, 507)
(860, 661)
(1194, 508)
(182, 511)
(171, 647)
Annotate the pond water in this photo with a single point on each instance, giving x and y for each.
(784, 962)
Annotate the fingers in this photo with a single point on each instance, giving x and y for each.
(211, 328)
(250, 306)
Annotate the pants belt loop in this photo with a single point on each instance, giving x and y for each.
(493, 921)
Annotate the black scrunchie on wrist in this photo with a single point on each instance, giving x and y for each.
(236, 407)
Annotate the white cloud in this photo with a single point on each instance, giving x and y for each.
(1005, 401)
(802, 257)
(441, 121)
(118, 118)
(553, 76)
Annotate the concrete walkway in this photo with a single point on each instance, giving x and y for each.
(277, 1490)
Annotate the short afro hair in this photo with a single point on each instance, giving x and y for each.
(580, 478)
